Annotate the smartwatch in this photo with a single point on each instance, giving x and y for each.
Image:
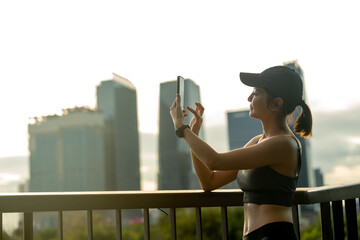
(180, 131)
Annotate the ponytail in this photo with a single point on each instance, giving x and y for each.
(303, 124)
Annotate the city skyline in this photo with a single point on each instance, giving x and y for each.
(68, 150)
(61, 59)
(50, 62)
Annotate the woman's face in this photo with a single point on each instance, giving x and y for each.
(258, 103)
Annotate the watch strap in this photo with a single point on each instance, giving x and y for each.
(180, 131)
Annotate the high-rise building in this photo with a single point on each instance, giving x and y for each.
(175, 167)
(242, 128)
(67, 152)
(319, 177)
(117, 100)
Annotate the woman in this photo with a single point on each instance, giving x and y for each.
(267, 167)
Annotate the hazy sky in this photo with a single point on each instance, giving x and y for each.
(53, 54)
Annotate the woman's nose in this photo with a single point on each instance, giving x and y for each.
(250, 97)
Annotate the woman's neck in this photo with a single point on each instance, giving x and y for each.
(275, 127)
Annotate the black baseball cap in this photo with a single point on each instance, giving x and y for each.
(278, 81)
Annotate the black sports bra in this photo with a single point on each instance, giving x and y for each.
(264, 185)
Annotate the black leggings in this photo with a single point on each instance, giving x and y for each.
(275, 230)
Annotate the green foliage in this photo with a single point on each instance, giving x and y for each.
(235, 222)
(50, 234)
(6, 236)
(75, 227)
(312, 232)
(211, 224)
(133, 231)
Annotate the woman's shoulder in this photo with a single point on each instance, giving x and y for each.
(254, 140)
(282, 142)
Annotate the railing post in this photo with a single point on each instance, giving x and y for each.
(146, 224)
(60, 225)
(326, 221)
(351, 219)
(118, 224)
(1, 226)
(224, 223)
(28, 225)
(173, 223)
(338, 216)
(198, 224)
(295, 213)
(90, 224)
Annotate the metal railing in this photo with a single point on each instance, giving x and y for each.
(332, 200)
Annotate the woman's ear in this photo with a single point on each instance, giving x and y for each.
(276, 104)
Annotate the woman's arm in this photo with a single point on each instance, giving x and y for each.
(209, 180)
(272, 151)
(268, 152)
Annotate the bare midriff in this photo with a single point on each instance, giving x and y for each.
(257, 215)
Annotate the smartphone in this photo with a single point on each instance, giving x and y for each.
(180, 89)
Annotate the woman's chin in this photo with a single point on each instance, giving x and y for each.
(252, 114)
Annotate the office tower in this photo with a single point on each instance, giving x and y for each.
(242, 128)
(117, 100)
(319, 178)
(175, 167)
(67, 151)
(306, 178)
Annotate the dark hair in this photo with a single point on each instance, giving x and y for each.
(303, 124)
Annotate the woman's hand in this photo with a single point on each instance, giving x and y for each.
(177, 114)
(196, 121)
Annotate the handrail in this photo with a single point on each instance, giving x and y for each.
(329, 197)
(333, 193)
(98, 200)
(67, 201)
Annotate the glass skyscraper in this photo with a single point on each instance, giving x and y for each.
(175, 167)
(242, 128)
(67, 152)
(117, 100)
(87, 149)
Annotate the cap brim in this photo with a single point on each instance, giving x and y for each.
(252, 80)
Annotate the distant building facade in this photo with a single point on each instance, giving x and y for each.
(117, 100)
(319, 177)
(175, 166)
(89, 149)
(242, 128)
(67, 152)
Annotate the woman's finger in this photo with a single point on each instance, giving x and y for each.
(196, 114)
(198, 105)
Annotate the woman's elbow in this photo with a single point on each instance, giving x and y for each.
(207, 188)
(214, 163)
